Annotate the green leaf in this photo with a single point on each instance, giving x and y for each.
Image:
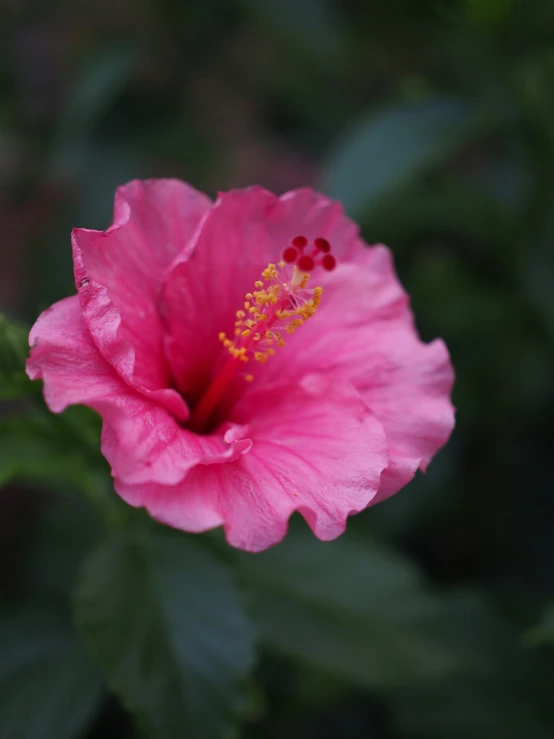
(59, 453)
(49, 451)
(96, 85)
(509, 696)
(538, 276)
(315, 24)
(62, 536)
(350, 607)
(489, 15)
(476, 706)
(390, 147)
(49, 688)
(14, 349)
(543, 632)
(163, 618)
(31, 453)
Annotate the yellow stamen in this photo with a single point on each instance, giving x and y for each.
(280, 303)
(283, 303)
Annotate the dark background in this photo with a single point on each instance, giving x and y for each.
(434, 123)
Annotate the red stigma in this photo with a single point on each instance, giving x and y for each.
(329, 262)
(300, 242)
(290, 254)
(322, 244)
(294, 254)
(305, 263)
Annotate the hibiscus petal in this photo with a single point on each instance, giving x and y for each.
(192, 508)
(118, 273)
(141, 441)
(414, 407)
(316, 449)
(203, 292)
(244, 231)
(311, 214)
(363, 332)
(186, 506)
(65, 357)
(148, 446)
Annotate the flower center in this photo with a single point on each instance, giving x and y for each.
(280, 303)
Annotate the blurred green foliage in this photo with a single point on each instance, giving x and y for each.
(431, 618)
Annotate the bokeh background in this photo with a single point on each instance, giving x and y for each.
(433, 122)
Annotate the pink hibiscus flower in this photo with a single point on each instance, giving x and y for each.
(250, 358)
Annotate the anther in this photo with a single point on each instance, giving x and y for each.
(282, 301)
